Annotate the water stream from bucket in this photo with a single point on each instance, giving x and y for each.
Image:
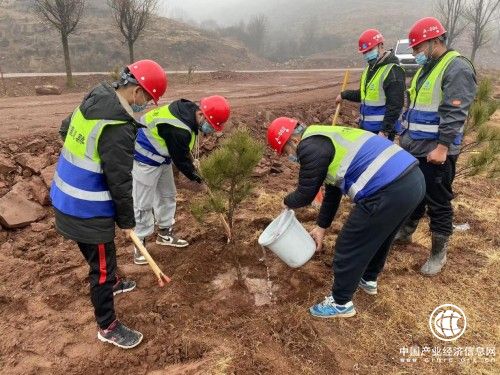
(269, 282)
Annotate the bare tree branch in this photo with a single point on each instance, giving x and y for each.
(480, 14)
(63, 15)
(452, 14)
(131, 18)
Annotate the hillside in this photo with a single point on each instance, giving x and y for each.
(333, 25)
(26, 45)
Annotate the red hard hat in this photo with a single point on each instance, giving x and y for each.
(150, 76)
(369, 39)
(216, 110)
(425, 29)
(279, 132)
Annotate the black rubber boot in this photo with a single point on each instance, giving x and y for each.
(437, 258)
(404, 234)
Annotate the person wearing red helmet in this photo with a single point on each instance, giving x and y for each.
(382, 87)
(380, 177)
(168, 138)
(440, 95)
(91, 190)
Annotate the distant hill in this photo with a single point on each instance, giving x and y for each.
(338, 22)
(26, 45)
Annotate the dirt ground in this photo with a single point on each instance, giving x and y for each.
(206, 321)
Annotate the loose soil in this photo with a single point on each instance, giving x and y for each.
(207, 320)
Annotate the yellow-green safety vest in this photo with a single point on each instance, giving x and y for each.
(150, 147)
(79, 187)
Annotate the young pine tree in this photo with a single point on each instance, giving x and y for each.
(227, 172)
(484, 145)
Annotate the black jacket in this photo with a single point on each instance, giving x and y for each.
(178, 140)
(116, 150)
(394, 88)
(315, 154)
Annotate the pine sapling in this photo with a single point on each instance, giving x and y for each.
(483, 144)
(227, 172)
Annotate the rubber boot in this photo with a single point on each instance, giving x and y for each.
(404, 234)
(437, 258)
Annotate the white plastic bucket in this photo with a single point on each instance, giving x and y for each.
(288, 239)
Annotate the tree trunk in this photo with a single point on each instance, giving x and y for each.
(67, 60)
(131, 51)
(473, 53)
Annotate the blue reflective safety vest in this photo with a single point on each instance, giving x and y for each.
(373, 100)
(422, 116)
(363, 162)
(150, 147)
(79, 187)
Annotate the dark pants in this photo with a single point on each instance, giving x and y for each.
(363, 244)
(102, 261)
(438, 181)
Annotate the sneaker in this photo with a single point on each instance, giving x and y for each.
(120, 335)
(329, 309)
(138, 257)
(369, 287)
(166, 237)
(123, 286)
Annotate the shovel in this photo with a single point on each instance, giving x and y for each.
(162, 278)
(318, 199)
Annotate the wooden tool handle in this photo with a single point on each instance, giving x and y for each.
(344, 85)
(162, 278)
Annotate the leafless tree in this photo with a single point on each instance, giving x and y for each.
(452, 14)
(64, 15)
(256, 30)
(131, 17)
(481, 13)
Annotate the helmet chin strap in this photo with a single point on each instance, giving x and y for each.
(431, 44)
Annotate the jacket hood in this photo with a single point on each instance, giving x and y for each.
(103, 103)
(185, 110)
(388, 58)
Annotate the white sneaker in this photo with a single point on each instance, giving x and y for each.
(139, 259)
(166, 237)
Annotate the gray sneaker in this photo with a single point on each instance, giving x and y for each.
(120, 335)
(123, 286)
(369, 287)
(138, 257)
(166, 237)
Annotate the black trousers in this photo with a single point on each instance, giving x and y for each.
(366, 237)
(438, 181)
(102, 274)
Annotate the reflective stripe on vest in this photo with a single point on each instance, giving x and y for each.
(373, 98)
(422, 118)
(150, 147)
(79, 187)
(363, 162)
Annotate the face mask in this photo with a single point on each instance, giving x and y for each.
(206, 128)
(371, 55)
(293, 158)
(139, 107)
(421, 58)
(299, 129)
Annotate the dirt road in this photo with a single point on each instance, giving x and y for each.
(207, 321)
(244, 90)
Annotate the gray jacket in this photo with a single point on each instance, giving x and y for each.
(459, 90)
